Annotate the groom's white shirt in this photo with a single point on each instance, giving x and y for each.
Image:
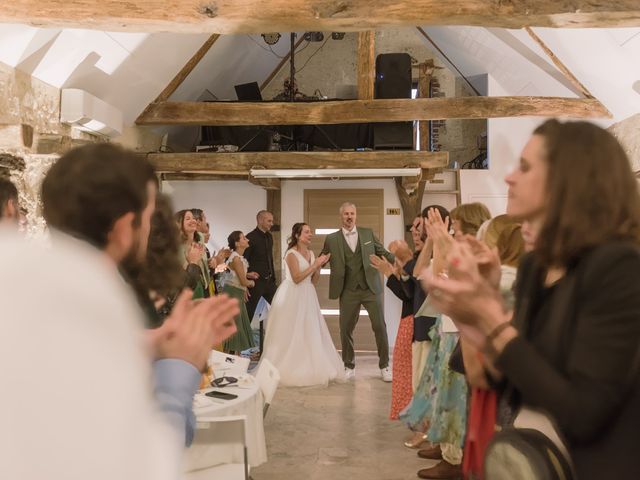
(351, 236)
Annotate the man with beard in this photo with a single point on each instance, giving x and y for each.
(261, 269)
(105, 195)
(356, 283)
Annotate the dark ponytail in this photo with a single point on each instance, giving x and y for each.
(233, 238)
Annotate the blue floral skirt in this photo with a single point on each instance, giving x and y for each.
(439, 406)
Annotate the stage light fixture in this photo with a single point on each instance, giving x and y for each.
(314, 36)
(337, 35)
(271, 38)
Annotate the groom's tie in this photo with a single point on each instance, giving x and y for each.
(351, 239)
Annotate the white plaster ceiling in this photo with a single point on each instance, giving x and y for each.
(128, 70)
(604, 60)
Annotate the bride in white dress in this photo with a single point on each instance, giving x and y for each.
(297, 341)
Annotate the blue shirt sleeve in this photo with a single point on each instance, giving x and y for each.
(176, 381)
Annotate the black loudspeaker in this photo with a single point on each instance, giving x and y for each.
(393, 75)
(391, 136)
(393, 80)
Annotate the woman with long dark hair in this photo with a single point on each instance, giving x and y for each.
(193, 253)
(297, 341)
(161, 277)
(236, 286)
(572, 348)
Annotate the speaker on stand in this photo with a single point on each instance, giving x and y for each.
(393, 80)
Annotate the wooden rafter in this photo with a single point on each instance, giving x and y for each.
(448, 61)
(257, 16)
(411, 203)
(241, 163)
(561, 66)
(366, 64)
(180, 76)
(363, 111)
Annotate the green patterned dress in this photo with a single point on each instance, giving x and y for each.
(243, 338)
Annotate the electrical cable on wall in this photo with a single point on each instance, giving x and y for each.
(312, 55)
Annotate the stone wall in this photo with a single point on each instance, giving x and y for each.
(628, 134)
(30, 105)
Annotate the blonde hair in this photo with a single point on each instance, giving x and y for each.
(505, 234)
(470, 216)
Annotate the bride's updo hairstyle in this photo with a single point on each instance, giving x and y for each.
(295, 234)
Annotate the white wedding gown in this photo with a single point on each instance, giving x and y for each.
(297, 340)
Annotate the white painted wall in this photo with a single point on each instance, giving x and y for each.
(229, 205)
(293, 211)
(506, 138)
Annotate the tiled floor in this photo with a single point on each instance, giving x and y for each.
(339, 432)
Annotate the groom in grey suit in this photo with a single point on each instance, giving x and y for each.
(355, 282)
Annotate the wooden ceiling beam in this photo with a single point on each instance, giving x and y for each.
(366, 65)
(180, 76)
(241, 163)
(561, 66)
(364, 111)
(258, 16)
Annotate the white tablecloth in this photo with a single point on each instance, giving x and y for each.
(250, 403)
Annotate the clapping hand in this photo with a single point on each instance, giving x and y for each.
(194, 328)
(438, 231)
(401, 251)
(219, 258)
(464, 294)
(487, 258)
(321, 260)
(194, 254)
(382, 265)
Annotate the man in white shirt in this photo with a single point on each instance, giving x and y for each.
(105, 196)
(77, 401)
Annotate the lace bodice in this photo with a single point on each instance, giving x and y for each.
(232, 275)
(303, 264)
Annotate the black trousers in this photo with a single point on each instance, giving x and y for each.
(264, 288)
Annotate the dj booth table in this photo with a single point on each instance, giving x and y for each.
(349, 136)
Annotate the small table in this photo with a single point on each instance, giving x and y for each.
(250, 403)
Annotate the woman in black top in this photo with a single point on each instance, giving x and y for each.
(572, 349)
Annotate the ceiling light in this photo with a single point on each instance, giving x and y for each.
(271, 38)
(335, 172)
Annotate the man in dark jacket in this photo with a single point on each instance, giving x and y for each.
(260, 258)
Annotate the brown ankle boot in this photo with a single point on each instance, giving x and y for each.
(442, 471)
(433, 453)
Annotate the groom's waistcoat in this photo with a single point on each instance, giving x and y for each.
(354, 275)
